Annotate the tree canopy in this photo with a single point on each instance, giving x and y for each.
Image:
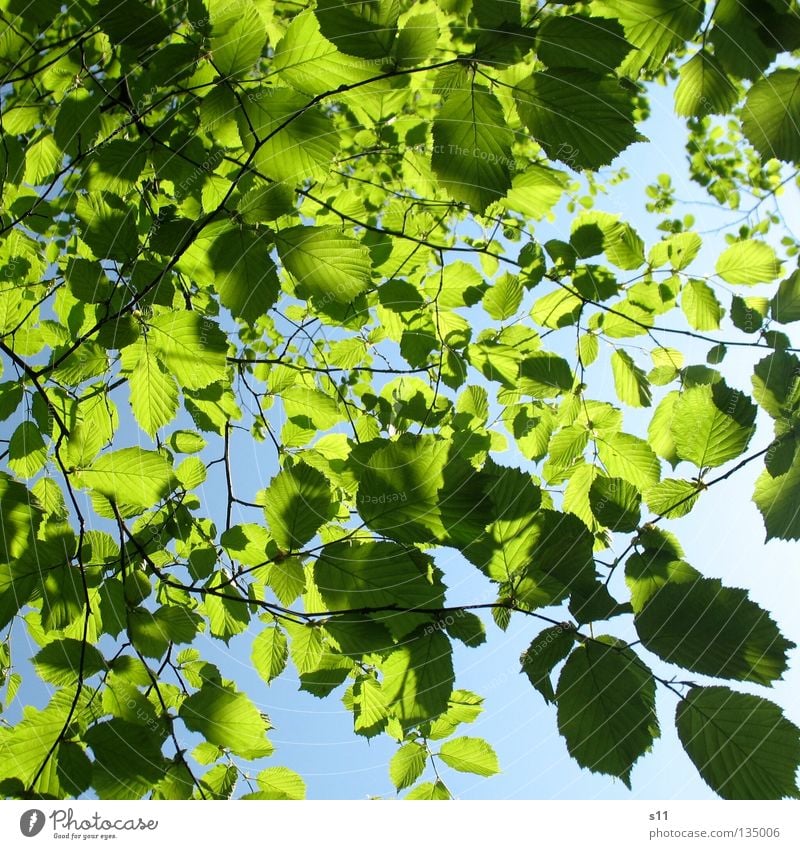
(314, 229)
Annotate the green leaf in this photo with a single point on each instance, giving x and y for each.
(226, 719)
(582, 119)
(108, 226)
(419, 489)
(467, 627)
(678, 251)
(290, 142)
(771, 115)
(26, 450)
(597, 232)
(704, 88)
(311, 64)
(270, 653)
(61, 662)
(544, 375)
(236, 47)
(429, 792)
(700, 306)
(648, 572)
(606, 708)
(326, 263)
(186, 442)
(659, 432)
(575, 41)
(418, 677)
(712, 424)
(226, 616)
(376, 574)
(693, 624)
(416, 41)
(502, 300)
(672, 498)
(656, 27)
(127, 759)
(279, 782)
(360, 29)
(742, 745)
(131, 23)
(470, 754)
(298, 504)
(472, 147)
(748, 263)
(630, 381)
(407, 765)
(154, 394)
(245, 275)
(191, 346)
(777, 496)
(131, 476)
(785, 304)
(615, 503)
(775, 383)
(628, 457)
(547, 649)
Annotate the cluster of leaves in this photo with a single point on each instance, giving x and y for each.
(229, 217)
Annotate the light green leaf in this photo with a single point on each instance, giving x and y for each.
(502, 300)
(742, 745)
(700, 306)
(606, 708)
(227, 719)
(692, 624)
(672, 498)
(127, 759)
(472, 147)
(748, 263)
(325, 263)
(236, 46)
(191, 346)
(270, 653)
(417, 39)
(26, 450)
(294, 142)
(407, 765)
(470, 754)
(704, 88)
(279, 782)
(626, 456)
(659, 432)
(429, 791)
(630, 381)
(678, 251)
(712, 424)
(154, 394)
(130, 476)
